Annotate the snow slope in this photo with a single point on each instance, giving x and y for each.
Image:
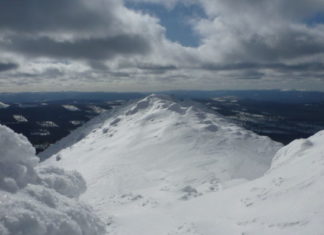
(288, 199)
(42, 201)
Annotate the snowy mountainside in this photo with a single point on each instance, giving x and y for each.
(76, 135)
(168, 139)
(152, 161)
(43, 200)
(288, 199)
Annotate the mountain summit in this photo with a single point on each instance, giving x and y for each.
(163, 166)
(162, 141)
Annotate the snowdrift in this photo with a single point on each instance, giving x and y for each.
(39, 201)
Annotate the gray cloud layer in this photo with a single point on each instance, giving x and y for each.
(91, 48)
(277, 66)
(45, 15)
(103, 45)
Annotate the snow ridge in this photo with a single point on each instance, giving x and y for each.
(159, 119)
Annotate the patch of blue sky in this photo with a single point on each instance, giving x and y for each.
(316, 19)
(176, 21)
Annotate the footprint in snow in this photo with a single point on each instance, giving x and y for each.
(115, 122)
(278, 181)
(105, 130)
(247, 202)
(190, 192)
(288, 224)
(126, 198)
(185, 229)
(149, 203)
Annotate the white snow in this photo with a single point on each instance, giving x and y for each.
(39, 201)
(3, 105)
(158, 166)
(70, 107)
(231, 99)
(49, 124)
(96, 109)
(41, 132)
(76, 122)
(20, 118)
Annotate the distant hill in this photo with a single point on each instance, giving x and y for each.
(262, 95)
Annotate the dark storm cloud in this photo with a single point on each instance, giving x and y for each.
(156, 68)
(228, 67)
(89, 26)
(282, 45)
(249, 75)
(275, 66)
(47, 73)
(92, 49)
(47, 15)
(7, 66)
(120, 74)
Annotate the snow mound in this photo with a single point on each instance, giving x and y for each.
(42, 201)
(288, 199)
(17, 160)
(299, 149)
(69, 184)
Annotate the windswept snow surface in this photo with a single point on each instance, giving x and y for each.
(39, 201)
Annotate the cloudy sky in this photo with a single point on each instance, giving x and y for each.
(150, 45)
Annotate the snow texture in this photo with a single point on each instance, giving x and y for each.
(42, 201)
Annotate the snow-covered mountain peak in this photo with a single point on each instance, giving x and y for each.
(162, 166)
(157, 150)
(176, 132)
(151, 102)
